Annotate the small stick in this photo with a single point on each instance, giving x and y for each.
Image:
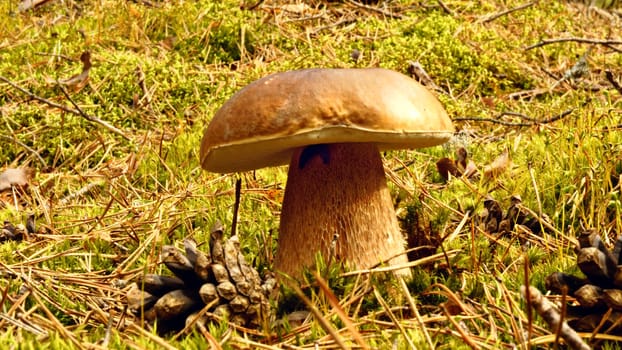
(32, 328)
(335, 24)
(602, 322)
(108, 332)
(613, 81)
(65, 108)
(503, 122)
(552, 317)
(605, 42)
(92, 118)
(445, 8)
(151, 336)
(507, 12)
(333, 251)
(81, 192)
(520, 115)
(14, 139)
(140, 75)
(236, 206)
(195, 320)
(251, 7)
(415, 69)
(492, 120)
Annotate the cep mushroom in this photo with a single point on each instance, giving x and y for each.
(329, 125)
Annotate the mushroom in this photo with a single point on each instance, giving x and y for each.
(329, 125)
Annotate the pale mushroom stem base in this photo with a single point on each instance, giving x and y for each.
(338, 189)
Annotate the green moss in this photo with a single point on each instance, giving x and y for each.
(150, 190)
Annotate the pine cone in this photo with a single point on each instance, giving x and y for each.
(221, 281)
(600, 291)
(493, 221)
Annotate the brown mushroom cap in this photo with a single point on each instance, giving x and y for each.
(262, 124)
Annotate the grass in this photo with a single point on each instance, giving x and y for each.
(106, 204)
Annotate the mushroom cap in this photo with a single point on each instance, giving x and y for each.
(263, 123)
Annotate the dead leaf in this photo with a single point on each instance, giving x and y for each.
(461, 166)
(461, 158)
(498, 166)
(78, 81)
(12, 233)
(19, 177)
(416, 71)
(446, 167)
(471, 170)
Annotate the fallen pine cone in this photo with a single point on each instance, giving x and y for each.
(205, 286)
(599, 295)
(495, 222)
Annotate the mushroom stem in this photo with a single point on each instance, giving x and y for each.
(338, 189)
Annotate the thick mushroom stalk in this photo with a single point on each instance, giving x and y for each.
(338, 189)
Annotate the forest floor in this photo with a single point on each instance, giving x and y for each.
(103, 105)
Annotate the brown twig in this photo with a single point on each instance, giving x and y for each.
(507, 12)
(506, 123)
(491, 120)
(605, 42)
(547, 311)
(611, 128)
(140, 75)
(602, 322)
(417, 71)
(251, 7)
(32, 328)
(77, 111)
(335, 24)
(236, 206)
(81, 192)
(29, 149)
(418, 262)
(613, 81)
(445, 7)
(90, 117)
